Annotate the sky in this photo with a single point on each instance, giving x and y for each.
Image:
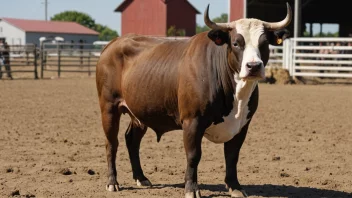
(102, 11)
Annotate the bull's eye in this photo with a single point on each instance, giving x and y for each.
(235, 44)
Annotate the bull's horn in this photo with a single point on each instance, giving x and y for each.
(215, 26)
(281, 24)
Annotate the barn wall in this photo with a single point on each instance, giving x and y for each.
(144, 17)
(12, 34)
(33, 37)
(236, 9)
(181, 15)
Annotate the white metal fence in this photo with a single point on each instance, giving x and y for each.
(318, 57)
(276, 58)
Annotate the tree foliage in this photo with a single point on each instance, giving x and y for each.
(105, 33)
(75, 16)
(173, 31)
(221, 19)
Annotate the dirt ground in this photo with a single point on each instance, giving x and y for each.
(52, 145)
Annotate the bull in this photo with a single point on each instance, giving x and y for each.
(206, 86)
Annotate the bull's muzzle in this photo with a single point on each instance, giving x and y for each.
(254, 71)
(253, 67)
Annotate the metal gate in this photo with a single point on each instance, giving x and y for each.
(319, 57)
(66, 57)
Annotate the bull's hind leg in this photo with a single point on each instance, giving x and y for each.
(133, 136)
(193, 131)
(111, 118)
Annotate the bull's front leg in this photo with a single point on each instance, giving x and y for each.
(192, 139)
(232, 149)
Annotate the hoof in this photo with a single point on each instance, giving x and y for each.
(238, 193)
(195, 194)
(145, 183)
(112, 188)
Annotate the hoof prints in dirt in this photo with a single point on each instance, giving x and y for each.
(65, 171)
(91, 172)
(66, 109)
(16, 193)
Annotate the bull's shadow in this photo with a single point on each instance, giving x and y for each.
(268, 190)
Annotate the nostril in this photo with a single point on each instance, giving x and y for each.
(253, 66)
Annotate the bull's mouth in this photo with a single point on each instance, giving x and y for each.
(254, 76)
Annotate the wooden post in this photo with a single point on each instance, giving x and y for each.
(35, 62)
(27, 54)
(89, 73)
(42, 61)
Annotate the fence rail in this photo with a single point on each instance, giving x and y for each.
(70, 58)
(18, 59)
(309, 57)
(276, 58)
(319, 57)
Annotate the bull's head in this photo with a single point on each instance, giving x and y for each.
(248, 41)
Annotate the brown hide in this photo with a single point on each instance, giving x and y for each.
(164, 81)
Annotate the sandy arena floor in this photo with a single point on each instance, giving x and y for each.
(52, 145)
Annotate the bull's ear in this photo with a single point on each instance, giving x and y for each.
(218, 36)
(277, 37)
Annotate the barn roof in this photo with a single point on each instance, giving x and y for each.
(50, 26)
(126, 3)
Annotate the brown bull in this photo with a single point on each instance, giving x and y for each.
(206, 86)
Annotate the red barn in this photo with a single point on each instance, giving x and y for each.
(155, 17)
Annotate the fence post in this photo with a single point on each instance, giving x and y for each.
(89, 73)
(58, 62)
(35, 62)
(41, 60)
(292, 62)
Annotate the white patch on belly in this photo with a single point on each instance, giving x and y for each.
(233, 123)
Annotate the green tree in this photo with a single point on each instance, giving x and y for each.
(200, 29)
(221, 19)
(105, 33)
(173, 31)
(75, 16)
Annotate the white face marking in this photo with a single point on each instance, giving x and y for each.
(251, 30)
(237, 118)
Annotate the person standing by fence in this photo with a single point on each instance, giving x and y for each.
(5, 58)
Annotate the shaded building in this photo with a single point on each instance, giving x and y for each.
(304, 11)
(155, 17)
